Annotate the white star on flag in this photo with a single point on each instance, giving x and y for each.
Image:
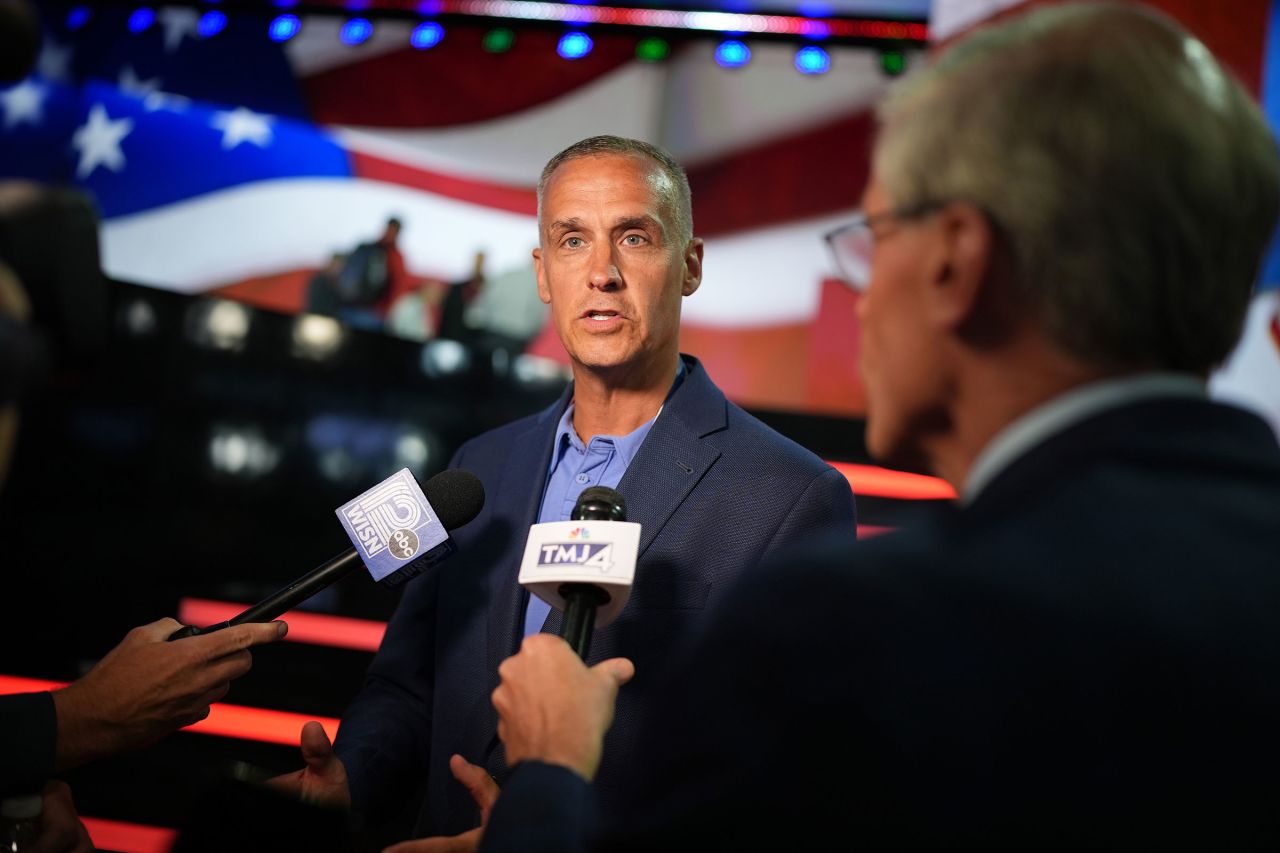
(241, 125)
(177, 23)
(23, 102)
(98, 142)
(55, 61)
(132, 84)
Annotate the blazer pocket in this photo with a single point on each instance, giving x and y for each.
(669, 595)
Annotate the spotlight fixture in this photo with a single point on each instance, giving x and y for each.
(812, 59)
(652, 49)
(211, 23)
(732, 54)
(499, 40)
(356, 31)
(141, 19)
(78, 17)
(574, 45)
(426, 35)
(284, 27)
(893, 62)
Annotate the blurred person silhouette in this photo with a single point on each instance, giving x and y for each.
(413, 315)
(372, 278)
(506, 313)
(322, 288)
(457, 296)
(1065, 217)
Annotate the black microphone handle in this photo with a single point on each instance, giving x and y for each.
(580, 603)
(285, 600)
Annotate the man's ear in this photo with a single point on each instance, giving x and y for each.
(544, 292)
(968, 247)
(692, 266)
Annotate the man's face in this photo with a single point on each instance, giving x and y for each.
(612, 267)
(899, 356)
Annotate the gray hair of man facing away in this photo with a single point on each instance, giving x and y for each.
(1133, 182)
(670, 183)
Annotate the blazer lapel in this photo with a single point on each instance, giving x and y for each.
(524, 480)
(674, 456)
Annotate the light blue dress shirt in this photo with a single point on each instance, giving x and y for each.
(575, 467)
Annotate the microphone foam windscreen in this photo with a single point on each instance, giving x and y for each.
(456, 495)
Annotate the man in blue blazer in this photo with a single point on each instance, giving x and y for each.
(713, 489)
(1064, 221)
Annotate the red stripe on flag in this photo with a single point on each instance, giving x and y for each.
(129, 837)
(236, 721)
(883, 483)
(319, 629)
(498, 196)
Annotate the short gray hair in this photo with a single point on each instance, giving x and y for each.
(1134, 181)
(670, 184)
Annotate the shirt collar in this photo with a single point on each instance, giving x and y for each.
(1068, 409)
(626, 446)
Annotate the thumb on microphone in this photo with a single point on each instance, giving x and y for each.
(614, 672)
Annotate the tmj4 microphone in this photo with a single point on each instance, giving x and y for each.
(584, 566)
(397, 530)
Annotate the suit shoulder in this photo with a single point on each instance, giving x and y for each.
(756, 443)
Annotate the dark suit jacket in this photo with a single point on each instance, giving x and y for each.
(714, 491)
(1087, 657)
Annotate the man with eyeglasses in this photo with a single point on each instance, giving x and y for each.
(1064, 221)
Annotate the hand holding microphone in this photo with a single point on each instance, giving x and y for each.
(397, 530)
(584, 566)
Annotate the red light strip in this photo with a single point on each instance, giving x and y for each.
(224, 720)
(317, 628)
(129, 837)
(884, 483)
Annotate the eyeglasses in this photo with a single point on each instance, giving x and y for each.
(852, 243)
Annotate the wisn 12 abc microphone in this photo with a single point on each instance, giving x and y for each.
(398, 532)
(584, 566)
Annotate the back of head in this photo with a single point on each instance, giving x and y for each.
(1132, 180)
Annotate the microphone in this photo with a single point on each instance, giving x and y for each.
(398, 532)
(584, 566)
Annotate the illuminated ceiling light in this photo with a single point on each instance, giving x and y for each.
(356, 31)
(574, 45)
(284, 28)
(652, 50)
(812, 59)
(426, 35)
(211, 23)
(316, 337)
(78, 17)
(893, 62)
(499, 40)
(141, 19)
(732, 54)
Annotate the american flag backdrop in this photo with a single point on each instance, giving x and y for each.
(230, 162)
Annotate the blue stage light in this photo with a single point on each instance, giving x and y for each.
(574, 45)
(732, 54)
(426, 35)
(211, 23)
(78, 17)
(284, 28)
(812, 59)
(141, 19)
(356, 31)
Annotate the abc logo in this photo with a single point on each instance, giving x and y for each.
(403, 544)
